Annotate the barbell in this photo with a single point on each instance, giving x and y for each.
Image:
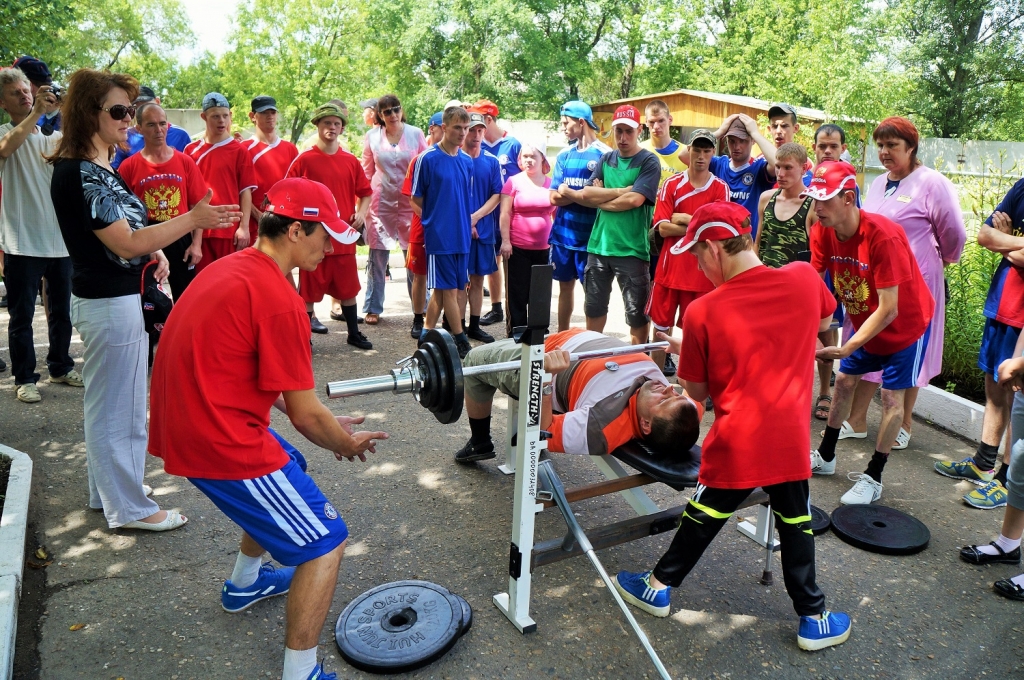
(435, 374)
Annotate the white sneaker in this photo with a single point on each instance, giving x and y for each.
(819, 466)
(847, 432)
(902, 440)
(28, 393)
(865, 491)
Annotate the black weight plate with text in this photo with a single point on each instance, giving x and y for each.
(880, 529)
(399, 627)
(467, 615)
(820, 521)
(452, 391)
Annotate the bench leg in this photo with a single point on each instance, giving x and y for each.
(509, 466)
(762, 529)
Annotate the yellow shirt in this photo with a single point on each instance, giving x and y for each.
(670, 163)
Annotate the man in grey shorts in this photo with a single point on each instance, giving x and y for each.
(592, 406)
(624, 189)
(1006, 548)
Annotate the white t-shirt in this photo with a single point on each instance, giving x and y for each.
(28, 224)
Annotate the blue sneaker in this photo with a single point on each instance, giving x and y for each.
(320, 674)
(636, 589)
(270, 583)
(832, 629)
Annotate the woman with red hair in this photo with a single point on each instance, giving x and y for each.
(926, 205)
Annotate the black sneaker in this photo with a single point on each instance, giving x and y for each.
(3, 365)
(359, 340)
(470, 453)
(487, 293)
(317, 327)
(670, 367)
(479, 334)
(417, 328)
(463, 348)
(491, 317)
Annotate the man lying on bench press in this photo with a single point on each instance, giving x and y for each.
(600, 404)
(749, 345)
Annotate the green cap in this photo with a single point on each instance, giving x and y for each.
(325, 110)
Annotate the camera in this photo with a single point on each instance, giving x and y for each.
(57, 91)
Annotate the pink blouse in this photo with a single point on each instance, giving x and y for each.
(532, 212)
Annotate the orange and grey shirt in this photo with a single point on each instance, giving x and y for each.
(595, 399)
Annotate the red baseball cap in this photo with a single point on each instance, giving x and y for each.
(831, 177)
(627, 115)
(716, 221)
(303, 199)
(486, 107)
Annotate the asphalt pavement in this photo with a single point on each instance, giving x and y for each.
(135, 605)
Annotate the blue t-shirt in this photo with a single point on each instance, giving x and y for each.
(506, 150)
(746, 184)
(573, 223)
(1005, 301)
(445, 184)
(176, 137)
(486, 183)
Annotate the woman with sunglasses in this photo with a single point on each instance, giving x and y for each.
(104, 227)
(387, 151)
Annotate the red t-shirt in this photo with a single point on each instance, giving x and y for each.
(679, 269)
(167, 189)
(342, 174)
(416, 227)
(228, 171)
(270, 163)
(237, 340)
(759, 368)
(877, 256)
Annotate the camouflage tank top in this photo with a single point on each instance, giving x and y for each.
(784, 241)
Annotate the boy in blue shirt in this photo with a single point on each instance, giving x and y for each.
(486, 192)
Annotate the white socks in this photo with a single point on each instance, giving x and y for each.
(298, 664)
(247, 570)
(1007, 545)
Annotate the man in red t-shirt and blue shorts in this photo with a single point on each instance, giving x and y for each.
(877, 279)
(724, 355)
(235, 346)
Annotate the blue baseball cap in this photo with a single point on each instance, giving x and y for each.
(215, 99)
(578, 109)
(437, 118)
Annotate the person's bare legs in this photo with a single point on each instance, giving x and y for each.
(909, 399)
(249, 547)
(309, 599)
(997, 414)
(449, 299)
(496, 282)
(596, 323)
(419, 294)
(641, 334)
(843, 398)
(892, 418)
(566, 293)
(829, 338)
(476, 294)
(858, 415)
(477, 409)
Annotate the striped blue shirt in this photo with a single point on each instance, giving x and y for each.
(573, 223)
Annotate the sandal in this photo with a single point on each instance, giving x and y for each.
(970, 553)
(173, 520)
(373, 319)
(823, 406)
(1007, 587)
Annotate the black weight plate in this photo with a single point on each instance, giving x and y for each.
(450, 410)
(399, 627)
(880, 529)
(428, 370)
(442, 391)
(820, 521)
(467, 615)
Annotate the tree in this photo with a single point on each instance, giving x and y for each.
(32, 27)
(964, 55)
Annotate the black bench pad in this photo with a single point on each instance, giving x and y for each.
(678, 470)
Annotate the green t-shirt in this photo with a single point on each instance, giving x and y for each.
(624, 234)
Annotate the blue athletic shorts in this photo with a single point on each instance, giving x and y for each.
(447, 272)
(997, 344)
(837, 316)
(285, 512)
(481, 259)
(899, 370)
(569, 264)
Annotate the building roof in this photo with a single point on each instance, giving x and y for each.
(738, 100)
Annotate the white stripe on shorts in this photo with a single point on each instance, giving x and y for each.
(284, 504)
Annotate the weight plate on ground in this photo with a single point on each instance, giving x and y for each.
(452, 395)
(880, 529)
(428, 394)
(467, 615)
(399, 627)
(820, 521)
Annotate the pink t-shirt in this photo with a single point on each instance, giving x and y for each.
(532, 212)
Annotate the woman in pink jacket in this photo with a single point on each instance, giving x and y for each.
(387, 151)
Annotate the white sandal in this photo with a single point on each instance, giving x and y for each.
(173, 521)
(847, 432)
(902, 440)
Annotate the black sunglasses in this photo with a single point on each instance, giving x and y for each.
(119, 111)
(393, 109)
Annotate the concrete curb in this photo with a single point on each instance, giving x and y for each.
(950, 412)
(13, 526)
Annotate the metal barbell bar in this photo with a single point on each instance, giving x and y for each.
(434, 374)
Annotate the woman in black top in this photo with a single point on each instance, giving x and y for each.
(104, 228)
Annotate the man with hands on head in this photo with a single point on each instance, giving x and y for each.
(235, 347)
